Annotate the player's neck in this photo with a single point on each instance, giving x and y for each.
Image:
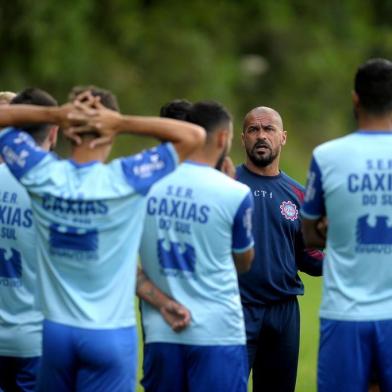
(205, 157)
(83, 154)
(369, 122)
(271, 170)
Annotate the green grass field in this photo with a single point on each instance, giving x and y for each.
(310, 302)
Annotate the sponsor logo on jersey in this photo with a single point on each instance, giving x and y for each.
(10, 264)
(177, 257)
(289, 210)
(73, 238)
(374, 238)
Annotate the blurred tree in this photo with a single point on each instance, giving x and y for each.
(298, 56)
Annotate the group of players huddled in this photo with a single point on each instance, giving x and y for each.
(72, 230)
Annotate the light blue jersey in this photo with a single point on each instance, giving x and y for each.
(20, 319)
(196, 218)
(350, 181)
(89, 220)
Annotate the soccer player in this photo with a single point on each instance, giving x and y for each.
(20, 318)
(355, 195)
(89, 219)
(197, 230)
(269, 290)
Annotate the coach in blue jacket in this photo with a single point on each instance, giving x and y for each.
(269, 290)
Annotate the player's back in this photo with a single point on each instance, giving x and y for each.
(356, 173)
(89, 219)
(89, 228)
(20, 319)
(187, 249)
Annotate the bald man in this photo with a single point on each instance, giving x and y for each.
(269, 290)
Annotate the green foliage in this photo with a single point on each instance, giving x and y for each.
(297, 56)
(149, 52)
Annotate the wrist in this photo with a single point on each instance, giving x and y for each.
(120, 124)
(164, 304)
(55, 115)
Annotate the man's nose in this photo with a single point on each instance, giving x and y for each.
(261, 134)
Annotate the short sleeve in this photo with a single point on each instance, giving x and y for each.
(242, 227)
(19, 151)
(143, 170)
(314, 204)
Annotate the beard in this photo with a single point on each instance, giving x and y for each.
(219, 164)
(262, 159)
(222, 157)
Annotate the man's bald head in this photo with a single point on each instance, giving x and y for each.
(263, 137)
(263, 112)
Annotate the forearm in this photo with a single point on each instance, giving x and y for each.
(148, 292)
(186, 137)
(13, 115)
(313, 237)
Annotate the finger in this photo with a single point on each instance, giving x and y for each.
(179, 326)
(85, 96)
(100, 141)
(73, 136)
(85, 108)
(77, 117)
(79, 129)
(187, 319)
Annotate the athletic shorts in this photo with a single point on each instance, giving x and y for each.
(18, 374)
(87, 359)
(350, 351)
(170, 367)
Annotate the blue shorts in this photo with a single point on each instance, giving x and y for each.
(350, 351)
(18, 374)
(87, 359)
(272, 339)
(170, 367)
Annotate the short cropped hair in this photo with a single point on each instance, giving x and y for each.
(210, 115)
(107, 98)
(373, 85)
(177, 109)
(6, 97)
(35, 96)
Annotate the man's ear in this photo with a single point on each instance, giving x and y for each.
(221, 138)
(52, 137)
(284, 138)
(355, 99)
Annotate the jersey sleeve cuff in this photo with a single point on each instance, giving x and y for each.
(306, 215)
(173, 153)
(5, 131)
(243, 250)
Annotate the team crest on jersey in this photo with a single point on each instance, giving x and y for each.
(289, 210)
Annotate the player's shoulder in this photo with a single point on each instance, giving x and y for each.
(6, 178)
(214, 181)
(6, 175)
(9, 183)
(294, 188)
(231, 183)
(290, 180)
(334, 146)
